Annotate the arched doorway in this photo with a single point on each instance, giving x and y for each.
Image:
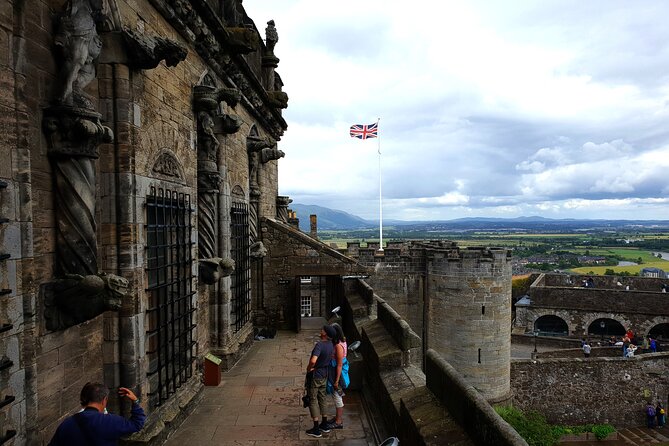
(605, 328)
(551, 325)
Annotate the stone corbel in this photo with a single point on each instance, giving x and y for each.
(242, 40)
(74, 298)
(146, 52)
(227, 124)
(256, 143)
(73, 131)
(207, 98)
(270, 153)
(278, 99)
(257, 250)
(212, 270)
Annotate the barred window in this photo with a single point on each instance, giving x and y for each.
(170, 314)
(241, 278)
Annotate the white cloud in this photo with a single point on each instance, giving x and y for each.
(486, 107)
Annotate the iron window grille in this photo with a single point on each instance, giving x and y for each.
(170, 313)
(241, 278)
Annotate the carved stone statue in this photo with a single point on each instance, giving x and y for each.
(74, 298)
(271, 36)
(80, 46)
(254, 145)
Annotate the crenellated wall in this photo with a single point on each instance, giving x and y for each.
(458, 300)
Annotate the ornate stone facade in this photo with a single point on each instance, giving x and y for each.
(127, 129)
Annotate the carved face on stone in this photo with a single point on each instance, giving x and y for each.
(117, 288)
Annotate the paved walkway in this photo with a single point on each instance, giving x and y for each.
(258, 402)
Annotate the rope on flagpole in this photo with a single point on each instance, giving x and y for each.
(380, 188)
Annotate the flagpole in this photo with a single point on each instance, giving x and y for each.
(380, 190)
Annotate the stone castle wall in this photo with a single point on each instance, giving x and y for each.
(596, 390)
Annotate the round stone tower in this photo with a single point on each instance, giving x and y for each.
(469, 314)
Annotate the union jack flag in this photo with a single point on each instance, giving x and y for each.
(361, 131)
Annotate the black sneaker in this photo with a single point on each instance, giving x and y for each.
(333, 425)
(315, 432)
(324, 426)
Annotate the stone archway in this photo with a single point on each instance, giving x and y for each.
(551, 325)
(660, 331)
(605, 328)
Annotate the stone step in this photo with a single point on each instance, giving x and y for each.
(640, 436)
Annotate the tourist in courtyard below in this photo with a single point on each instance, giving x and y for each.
(660, 414)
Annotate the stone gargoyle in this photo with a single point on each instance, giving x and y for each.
(211, 270)
(74, 298)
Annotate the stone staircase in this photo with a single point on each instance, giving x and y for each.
(641, 436)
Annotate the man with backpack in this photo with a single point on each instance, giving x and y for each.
(650, 415)
(317, 376)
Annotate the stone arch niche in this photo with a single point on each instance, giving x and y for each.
(605, 327)
(551, 325)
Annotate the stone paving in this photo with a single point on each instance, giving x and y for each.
(258, 402)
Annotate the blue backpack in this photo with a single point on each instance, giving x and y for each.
(344, 380)
(650, 411)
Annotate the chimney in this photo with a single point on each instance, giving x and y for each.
(293, 220)
(313, 222)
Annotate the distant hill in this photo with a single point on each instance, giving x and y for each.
(331, 219)
(328, 219)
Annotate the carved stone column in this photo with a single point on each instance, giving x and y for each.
(209, 124)
(73, 135)
(73, 131)
(282, 203)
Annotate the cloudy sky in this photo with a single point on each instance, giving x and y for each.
(487, 108)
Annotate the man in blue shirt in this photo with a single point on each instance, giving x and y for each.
(318, 368)
(92, 426)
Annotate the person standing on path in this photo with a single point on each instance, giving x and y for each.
(317, 368)
(340, 351)
(660, 414)
(586, 350)
(650, 415)
(92, 426)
